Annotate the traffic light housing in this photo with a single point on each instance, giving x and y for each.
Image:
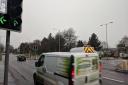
(14, 8)
(15, 13)
(13, 19)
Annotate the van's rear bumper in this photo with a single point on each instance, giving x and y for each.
(90, 83)
(93, 83)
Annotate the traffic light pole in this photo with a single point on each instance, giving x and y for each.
(6, 67)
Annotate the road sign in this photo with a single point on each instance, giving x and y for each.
(3, 6)
(89, 50)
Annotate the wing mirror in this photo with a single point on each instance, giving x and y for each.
(36, 64)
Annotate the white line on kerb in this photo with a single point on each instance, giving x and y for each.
(113, 79)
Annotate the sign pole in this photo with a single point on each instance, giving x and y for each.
(7, 58)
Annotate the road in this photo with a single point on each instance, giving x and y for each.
(110, 77)
(22, 72)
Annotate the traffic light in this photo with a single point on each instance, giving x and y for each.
(15, 24)
(15, 11)
(4, 21)
(12, 20)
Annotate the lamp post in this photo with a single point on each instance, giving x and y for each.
(106, 26)
(59, 38)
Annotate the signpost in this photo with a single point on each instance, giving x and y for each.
(10, 20)
(6, 58)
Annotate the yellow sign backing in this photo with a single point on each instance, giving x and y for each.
(89, 50)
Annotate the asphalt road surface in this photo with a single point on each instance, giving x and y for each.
(110, 76)
(22, 72)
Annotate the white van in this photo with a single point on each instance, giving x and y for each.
(67, 68)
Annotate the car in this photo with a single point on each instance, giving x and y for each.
(67, 68)
(124, 55)
(21, 58)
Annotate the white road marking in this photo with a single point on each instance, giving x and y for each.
(113, 79)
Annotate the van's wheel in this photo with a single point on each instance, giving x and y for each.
(35, 79)
(100, 81)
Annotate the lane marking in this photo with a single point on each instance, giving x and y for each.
(113, 79)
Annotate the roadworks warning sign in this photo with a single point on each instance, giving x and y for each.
(89, 49)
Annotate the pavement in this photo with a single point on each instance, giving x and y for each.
(11, 80)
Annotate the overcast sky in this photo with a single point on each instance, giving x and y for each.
(41, 17)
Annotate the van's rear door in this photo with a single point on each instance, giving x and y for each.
(86, 70)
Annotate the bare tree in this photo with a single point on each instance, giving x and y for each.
(70, 38)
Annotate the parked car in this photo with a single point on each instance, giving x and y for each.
(124, 55)
(21, 58)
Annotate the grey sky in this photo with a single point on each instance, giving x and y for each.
(40, 17)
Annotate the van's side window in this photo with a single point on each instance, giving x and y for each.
(41, 60)
(63, 66)
(95, 64)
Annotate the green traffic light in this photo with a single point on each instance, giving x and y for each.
(2, 20)
(15, 22)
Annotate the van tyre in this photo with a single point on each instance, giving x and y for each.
(100, 82)
(35, 79)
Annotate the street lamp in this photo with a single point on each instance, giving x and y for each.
(59, 38)
(106, 25)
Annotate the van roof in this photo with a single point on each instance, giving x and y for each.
(82, 49)
(68, 54)
(57, 54)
